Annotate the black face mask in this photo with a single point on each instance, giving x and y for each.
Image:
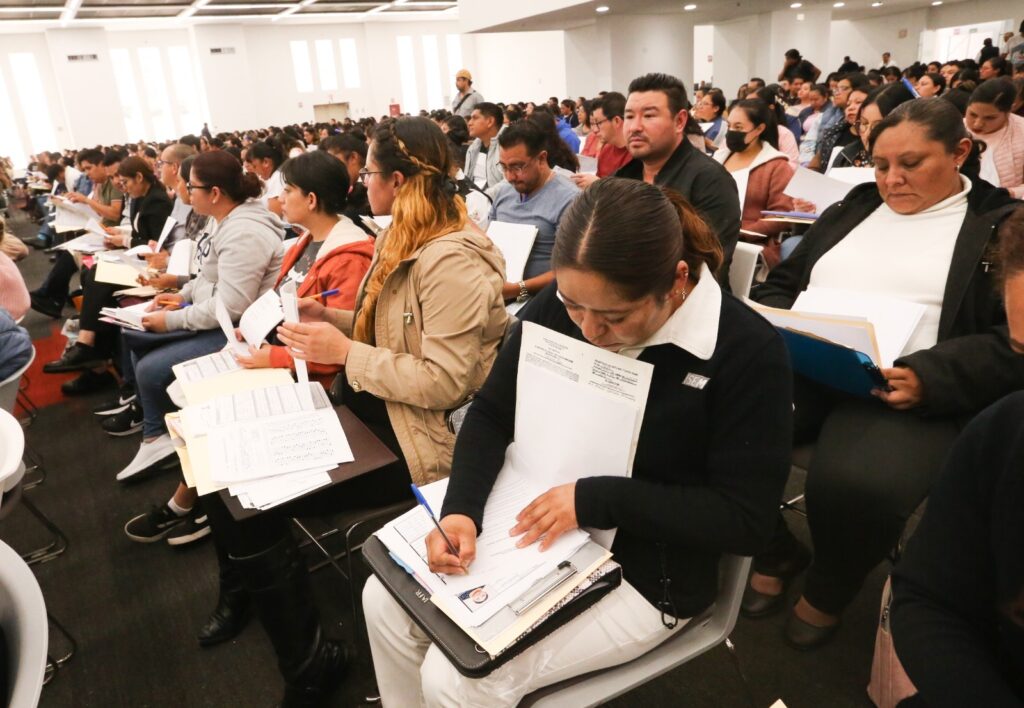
(736, 140)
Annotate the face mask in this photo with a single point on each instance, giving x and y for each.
(736, 140)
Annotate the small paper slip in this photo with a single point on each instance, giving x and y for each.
(588, 165)
(181, 258)
(86, 243)
(128, 317)
(821, 190)
(893, 320)
(261, 317)
(117, 272)
(515, 241)
(290, 306)
(228, 328)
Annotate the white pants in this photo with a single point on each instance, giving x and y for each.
(411, 671)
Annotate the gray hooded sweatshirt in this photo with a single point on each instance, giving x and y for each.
(239, 261)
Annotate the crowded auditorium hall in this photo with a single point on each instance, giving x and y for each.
(454, 353)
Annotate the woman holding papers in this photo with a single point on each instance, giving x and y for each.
(422, 336)
(752, 157)
(150, 207)
(635, 275)
(923, 234)
(333, 256)
(237, 263)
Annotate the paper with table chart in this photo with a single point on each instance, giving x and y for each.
(515, 241)
(894, 320)
(604, 394)
(127, 317)
(211, 376)
(501, 572)
(86, 243)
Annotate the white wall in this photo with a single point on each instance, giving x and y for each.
(588, 60)
(520, 66)
(865, 40)
(644, 43)
(734, 59)
(703, 53)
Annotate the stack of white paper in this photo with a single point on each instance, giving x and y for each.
(86, 243)
(821, 190)
(127, 317)
(72, 216)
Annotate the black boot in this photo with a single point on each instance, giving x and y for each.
(231, 614)
(278, 583)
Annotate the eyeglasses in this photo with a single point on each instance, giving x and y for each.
(516, 169)
(161, 163)
(190, 187)
(596, 124)
(364, 173)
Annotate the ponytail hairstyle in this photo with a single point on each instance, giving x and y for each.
(426, 206)
(633, 234)
(221, 169)
(941, 121)
(759, 113)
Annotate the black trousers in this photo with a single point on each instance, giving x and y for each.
(872, 467)
(57, 283)
(96, 296)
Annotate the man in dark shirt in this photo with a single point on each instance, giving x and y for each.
(654, 124)
(796, 66)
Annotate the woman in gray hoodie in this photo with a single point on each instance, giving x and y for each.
(237, 261)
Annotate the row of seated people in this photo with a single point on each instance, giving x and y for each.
(632, 267)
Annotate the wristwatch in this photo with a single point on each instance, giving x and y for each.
(524, 294)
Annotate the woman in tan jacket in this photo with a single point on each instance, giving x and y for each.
(428, 320)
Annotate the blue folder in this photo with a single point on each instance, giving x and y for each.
(833, 365)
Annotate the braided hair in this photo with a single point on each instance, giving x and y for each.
(426, 206)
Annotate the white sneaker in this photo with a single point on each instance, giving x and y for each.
(149, 455)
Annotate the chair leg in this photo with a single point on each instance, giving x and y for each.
(71, 641)
(26, 403)
(739, 670)
(56, 547)
(329, 557)
(33, 463)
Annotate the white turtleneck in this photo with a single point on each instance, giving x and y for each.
(900, 256)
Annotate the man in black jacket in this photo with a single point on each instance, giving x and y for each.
(655, 126)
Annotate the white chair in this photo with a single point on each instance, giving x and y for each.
(743, 267)
(9, 386)
(24, 624)
(701, 634)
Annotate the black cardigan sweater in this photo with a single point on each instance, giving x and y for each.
(707, 186)
(963, 571)
(148, 215)
(972, 365)
(710, 464)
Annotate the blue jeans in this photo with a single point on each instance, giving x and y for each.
(153, 373)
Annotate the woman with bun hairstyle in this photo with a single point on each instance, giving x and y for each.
(237, 262)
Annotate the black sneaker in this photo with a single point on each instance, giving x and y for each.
(88, 382)
(127, 422)
(153, 525)
(45, 305)
(196, 526)
(77, 357)
(116, 404)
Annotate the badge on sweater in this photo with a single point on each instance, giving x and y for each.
(696, 381)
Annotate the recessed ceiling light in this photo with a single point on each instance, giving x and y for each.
(689, 7)
(937, 2)
(876, 4)
(602, 8)
(796, 5)
(839, 4)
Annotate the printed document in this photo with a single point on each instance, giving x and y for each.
(226, 326)
(260, 318)
(821, 190)
(290, 306)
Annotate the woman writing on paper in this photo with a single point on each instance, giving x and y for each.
(237, 263)
(635, 275)
(150, 207)
(922, 233)
(422, 336)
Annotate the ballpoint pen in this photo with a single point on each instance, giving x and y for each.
(430, 513)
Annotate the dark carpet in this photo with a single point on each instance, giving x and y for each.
(135, 608)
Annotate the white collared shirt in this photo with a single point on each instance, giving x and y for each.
(693, 327)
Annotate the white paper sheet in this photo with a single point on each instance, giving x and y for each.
(290, 307)
(206, 367)
(130, 317)
(86, 243)
(894, 320)
(226, 326)
(821, 190)
(181, 257)
(71, 216)
(856, 333)
(117, 272)
(588, 165)
(164, 233)
(260, 318)
(853, 175)
(515, 241)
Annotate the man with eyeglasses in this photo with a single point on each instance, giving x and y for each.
(532, 194)
(606, 117)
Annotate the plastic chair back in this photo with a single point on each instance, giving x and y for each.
(700, 635)
(23, 621)
(9, 386)
(741, 271)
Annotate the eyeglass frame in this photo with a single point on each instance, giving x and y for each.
(189, 187)
(364, 173)
(519, 169)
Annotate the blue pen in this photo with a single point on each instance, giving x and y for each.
(322, 297)
(430, 513)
